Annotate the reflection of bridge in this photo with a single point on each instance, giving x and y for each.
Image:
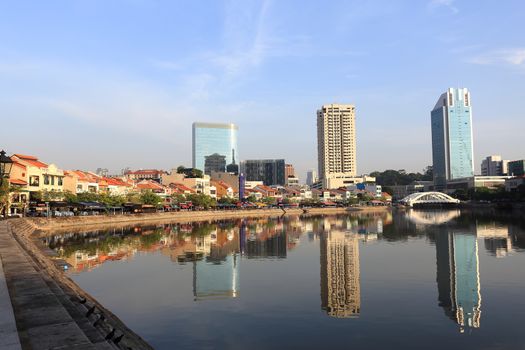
(428, 198)
(432, 217)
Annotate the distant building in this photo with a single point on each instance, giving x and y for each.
(213, 138)
(145, 174)
(233, 167)
(292, 181)
(452, 141)
(517, 168)
(476, 182)
(214, 162)
(336, 143)
(311, 177)
(102, 172)
(289, 171)
(494, 166)
(334, 181)
(269, 171)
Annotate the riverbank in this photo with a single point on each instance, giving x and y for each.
(46, 225)
(51, 311)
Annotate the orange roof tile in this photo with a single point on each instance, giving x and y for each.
(31, 160)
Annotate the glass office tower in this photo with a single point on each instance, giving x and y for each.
(452, 149)
(214, 139)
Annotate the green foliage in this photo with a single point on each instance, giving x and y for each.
(201, 200)
(227, 200)
(4, 194)
(269, 201)
(251, 199)
(149, 198)
(190, 172)
(48, 196)
(177, 198)
(400, 177)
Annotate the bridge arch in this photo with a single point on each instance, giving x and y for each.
(428, 198)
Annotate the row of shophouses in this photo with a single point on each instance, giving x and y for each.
(32, 181)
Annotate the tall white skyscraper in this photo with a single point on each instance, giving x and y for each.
(336, 145)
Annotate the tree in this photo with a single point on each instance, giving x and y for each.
(201, 200)
(177, 198)
(4, 195)
(269, 200)
(149, 198)
(251, 198)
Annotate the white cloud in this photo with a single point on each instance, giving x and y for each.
(449, 4)
(513, 56)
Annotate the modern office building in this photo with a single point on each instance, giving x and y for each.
(336, 144)
(340, 274)
(452, 141)
(516, 168)
(214, 138)
(311, 177)
(215, 162)
(458, 277)
(494, 166)
(269, 171)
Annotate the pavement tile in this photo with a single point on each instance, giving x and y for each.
(58, 336)
(40, 316)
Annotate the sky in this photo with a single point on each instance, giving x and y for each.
(115, 84)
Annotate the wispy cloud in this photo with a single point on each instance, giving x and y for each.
(449, 4)
(512, 56)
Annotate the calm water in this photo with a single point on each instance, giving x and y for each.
(411, 280)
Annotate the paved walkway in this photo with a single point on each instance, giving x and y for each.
(42, 315)
(8, 333)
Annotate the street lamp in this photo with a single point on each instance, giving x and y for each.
(5, 166)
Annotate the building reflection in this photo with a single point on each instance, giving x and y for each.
(496, 238)
(458, 277)
(340, 277)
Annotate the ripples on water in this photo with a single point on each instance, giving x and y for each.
(420, 279)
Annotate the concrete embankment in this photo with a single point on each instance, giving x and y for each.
(72, 223)
(53, 312)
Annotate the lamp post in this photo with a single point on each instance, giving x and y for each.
(5, 166)
(5, 169)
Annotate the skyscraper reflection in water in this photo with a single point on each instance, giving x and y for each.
(340, 280)
(458, 278)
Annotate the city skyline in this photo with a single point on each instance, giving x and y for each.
(253, 65)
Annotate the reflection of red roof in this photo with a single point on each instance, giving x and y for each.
(31, 160)
(18, 182)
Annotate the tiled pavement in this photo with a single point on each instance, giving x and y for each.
(35, 312)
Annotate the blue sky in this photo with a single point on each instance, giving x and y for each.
(89, 84)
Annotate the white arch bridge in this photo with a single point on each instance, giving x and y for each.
(428, 198)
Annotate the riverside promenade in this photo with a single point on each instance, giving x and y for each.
(36, 312)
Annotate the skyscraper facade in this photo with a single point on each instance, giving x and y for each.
(213, 139)
(336, 144)
(452, 141)
(269, 171)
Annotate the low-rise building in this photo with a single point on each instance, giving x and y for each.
(516, 168)
(338, 180)
(475, 182)
(40, 177)
(145, 174)
(514, 183)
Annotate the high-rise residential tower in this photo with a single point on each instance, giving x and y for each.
(213, 139)
(336, 145)
(452, 141)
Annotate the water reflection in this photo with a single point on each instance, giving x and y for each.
(458, 277)
(217, 252)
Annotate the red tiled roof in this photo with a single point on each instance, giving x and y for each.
(18, 182)
(31, 160)
(149, 185)
(180, 187)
